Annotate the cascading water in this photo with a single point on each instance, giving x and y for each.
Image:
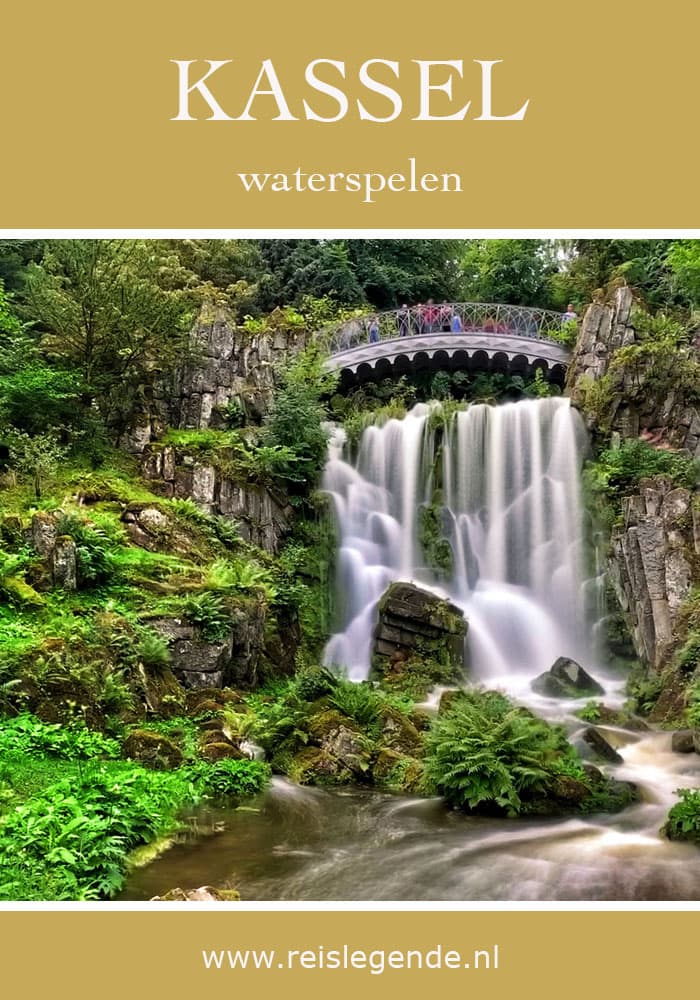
(511, 511)
(507, 482)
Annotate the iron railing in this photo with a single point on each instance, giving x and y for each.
(447, 317)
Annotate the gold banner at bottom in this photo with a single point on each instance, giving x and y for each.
(490, 955)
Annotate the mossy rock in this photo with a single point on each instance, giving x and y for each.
(606, 795)
(314, 766)
(153, 750)
(326, 723)
(398, 772)
(162, 692)
(213, 752)
(204, 894)
(214, 735)
(415, 676)
(620, 718)
(202, 700)
(399, 732)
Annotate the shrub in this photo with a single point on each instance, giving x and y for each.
(29, 735)
(229, 780)
(315, 682)
(484, 751)
(75, 836)
(683, 821)
(94, 549)
(296, 421)
(618, 471)
(229, 576)
(153, 651)
(209, 612)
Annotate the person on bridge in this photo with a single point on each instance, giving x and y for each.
(456, 323)
(374, 330)
(431, 316)
(570, 315)
(404, 321)
(419, 318)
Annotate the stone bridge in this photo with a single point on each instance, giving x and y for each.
(471, 337)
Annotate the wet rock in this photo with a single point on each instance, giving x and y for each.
(418, 640)
(684, 740)
(595, 739)
(204, 894)
(152, 750)
(566, 679)
(570, 791)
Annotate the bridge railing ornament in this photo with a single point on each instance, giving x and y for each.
(450, 317)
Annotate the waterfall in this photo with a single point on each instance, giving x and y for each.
(507, 481)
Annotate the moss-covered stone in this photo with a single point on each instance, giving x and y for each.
(399, 772)
(153, 750)
(419, 640)
(212, 752)
(315, 766)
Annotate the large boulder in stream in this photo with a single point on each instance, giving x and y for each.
(686, 741)
(418, 640)
(600, 746)
(566, 679)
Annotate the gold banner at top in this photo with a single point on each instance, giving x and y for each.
(369, 116)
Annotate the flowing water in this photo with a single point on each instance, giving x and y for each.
(508, 478)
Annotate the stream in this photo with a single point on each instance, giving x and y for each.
(506, 480)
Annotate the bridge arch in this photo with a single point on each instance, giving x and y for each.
(472, 337)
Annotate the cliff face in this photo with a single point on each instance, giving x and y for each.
(654, 555)
(226, 365)
(230, 364)
(667, 416)
(654, 559)
(263, 515)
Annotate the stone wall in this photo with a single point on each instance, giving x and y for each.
(230, 662)
(226, 363)
(415, 624)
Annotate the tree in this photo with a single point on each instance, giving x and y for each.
(110, 309)
(643, 264)
(684, 262)
(517, 272)
(381, 273)
(37, 456)
(296, 424)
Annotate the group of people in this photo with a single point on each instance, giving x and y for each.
(430, 317)
(420, 319)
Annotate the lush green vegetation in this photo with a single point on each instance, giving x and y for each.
(484, 751)
(71, 811)
(102, 748)
(684, 818)
(617, 472)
